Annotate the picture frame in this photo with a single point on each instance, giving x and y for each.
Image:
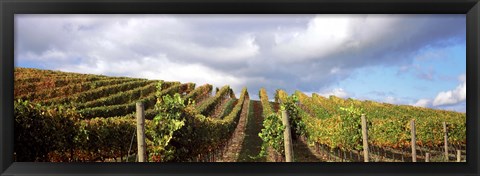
(8, 9)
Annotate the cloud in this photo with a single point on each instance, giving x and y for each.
(452, 97)
(338, 92)
(459, 107)
(52, 55)
(147, 67)
(422, 103)
(310, 43)
(419, 72)
(453, 100)
(290, 52)
(391, 100)
(347, 37)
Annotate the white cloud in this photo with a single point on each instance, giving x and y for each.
(391, 100)
(329, 36)
(161, 68)
(449, 100)
(451, 97)
(244, 47)
(453, 100)
(422, 102)
(311, 42)
(338, 92)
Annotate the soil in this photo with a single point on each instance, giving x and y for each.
(252, 143)
(235, 145)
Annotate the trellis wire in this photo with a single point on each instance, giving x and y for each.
(386, 154)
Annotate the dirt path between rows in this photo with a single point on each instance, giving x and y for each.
(252, 143)
(235, 145)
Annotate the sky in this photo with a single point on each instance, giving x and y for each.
(415, 60)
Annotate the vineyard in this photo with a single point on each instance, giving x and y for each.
(72, 117)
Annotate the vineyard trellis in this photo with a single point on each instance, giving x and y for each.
(78, 117)
(348, 148)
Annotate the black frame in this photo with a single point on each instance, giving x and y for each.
(10, 7)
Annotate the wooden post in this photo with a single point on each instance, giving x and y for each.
(459, 155)
(445, 140)
(427, 157)
(287, 138)
(414, 140)
(141, 132)
(365, 138)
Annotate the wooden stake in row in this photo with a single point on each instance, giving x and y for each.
(414, 141)
(459, 155)
(287, 138)
(427, 157)
(365, 138)
(141, 132)
(445, 140)
(140, 115)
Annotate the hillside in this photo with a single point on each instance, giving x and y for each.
(99, 113)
